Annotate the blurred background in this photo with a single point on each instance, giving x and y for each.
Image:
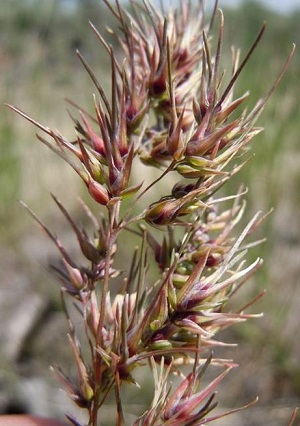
(39, 68)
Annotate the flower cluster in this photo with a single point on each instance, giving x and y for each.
(172, 109)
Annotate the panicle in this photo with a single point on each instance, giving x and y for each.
(170, 108)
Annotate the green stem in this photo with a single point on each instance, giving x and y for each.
(97, 361)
